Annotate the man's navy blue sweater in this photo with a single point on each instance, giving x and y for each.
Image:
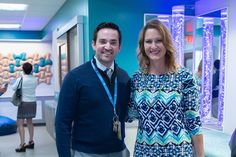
(84, 112)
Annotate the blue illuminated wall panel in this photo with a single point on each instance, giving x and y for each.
(20, 35)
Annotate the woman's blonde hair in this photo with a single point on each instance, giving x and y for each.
(144, 61)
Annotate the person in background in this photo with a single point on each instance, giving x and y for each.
(3, 89)
(215, 88)
(27, 109)
(164, 98)
(198, 74)
(93, 102)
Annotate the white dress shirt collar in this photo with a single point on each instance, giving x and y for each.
(101, 66)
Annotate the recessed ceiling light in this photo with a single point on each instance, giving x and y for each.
(9, 26)
(13, 7)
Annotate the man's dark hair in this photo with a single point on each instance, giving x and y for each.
(106, 25)
(217, 64)
(27, 68)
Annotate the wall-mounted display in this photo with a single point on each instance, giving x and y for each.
(10, 66)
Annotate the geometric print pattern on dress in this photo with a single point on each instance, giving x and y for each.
(159, 118)
(167, 107)
(170, 150)
(168, 137)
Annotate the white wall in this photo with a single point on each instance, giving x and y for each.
(212, 5)
(55, 58)
(230, 79)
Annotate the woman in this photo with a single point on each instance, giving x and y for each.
(27, 109)
(164, 99)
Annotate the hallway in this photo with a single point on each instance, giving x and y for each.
(215, 143)
(44, 145)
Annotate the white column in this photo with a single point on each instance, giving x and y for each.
(229, 123)
(223, 50)
(207, 52)
(178, 31)
(165, 19)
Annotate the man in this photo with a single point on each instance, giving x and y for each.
(93, 104)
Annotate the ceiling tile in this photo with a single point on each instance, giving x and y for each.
(37, 15)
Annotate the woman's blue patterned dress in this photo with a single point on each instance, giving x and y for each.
(167, 107)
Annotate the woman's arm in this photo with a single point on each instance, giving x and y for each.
(198, 145)
(14, 86)
(191, 99)
(132, 106)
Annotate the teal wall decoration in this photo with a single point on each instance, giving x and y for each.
(10, 66)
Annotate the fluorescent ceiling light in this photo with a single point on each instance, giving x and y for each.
(9, 26)
(13, 7)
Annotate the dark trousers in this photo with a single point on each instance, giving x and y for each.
(124, 153)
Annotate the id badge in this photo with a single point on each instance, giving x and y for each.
(117, 127)
(115, 123)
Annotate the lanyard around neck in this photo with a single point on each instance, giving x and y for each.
(114, 99)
